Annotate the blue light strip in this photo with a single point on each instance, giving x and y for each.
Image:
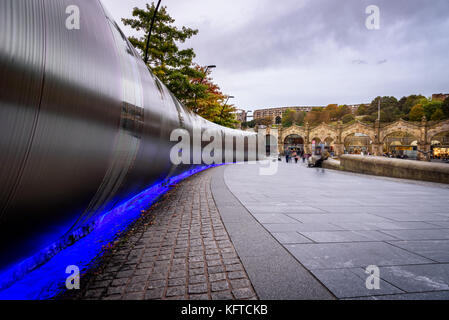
(48, 280)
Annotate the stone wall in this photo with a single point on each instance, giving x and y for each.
(397, 168)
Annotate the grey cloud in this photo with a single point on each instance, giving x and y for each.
(327, 38)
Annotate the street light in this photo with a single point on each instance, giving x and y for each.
(229, 97)
(205, 72)
(224, 106)
(151, 30)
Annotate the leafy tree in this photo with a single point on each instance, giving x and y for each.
(370, 118)
(264, 121)
(416, 113)
(299, 118)
(410, 102)
(288, 118)
(430, 107)
(437, 115)
(362, 110)
(348, 118)
(445, 108)
(189, 82)
(389, 107)
(314, 116)
(333, 111)
(342, 111)
(226, 117)
(173, 66)
(249, 124)
(211, 104)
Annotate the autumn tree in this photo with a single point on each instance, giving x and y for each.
(333, 111)
(190, 83)
(416, 113)
(173, 66)
(288, 118)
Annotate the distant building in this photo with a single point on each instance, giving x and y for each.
(276, 114)
(241, 116)
(355, 107)
(440, 96)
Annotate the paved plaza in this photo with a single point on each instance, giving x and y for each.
(336, 224)
(303, 233)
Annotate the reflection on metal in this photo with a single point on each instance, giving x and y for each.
(84, 125)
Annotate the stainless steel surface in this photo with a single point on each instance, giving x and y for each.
(83, 123)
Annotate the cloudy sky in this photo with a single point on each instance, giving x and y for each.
(314, 52)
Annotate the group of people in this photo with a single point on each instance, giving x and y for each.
(295, 156)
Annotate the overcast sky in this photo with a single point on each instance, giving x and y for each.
(314, 52)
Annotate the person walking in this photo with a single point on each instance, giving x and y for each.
(295, 156)
(287, 157)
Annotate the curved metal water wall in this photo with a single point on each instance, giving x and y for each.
(83, 124)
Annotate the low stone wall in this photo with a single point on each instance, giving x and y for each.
(397, 168)
(332, 164)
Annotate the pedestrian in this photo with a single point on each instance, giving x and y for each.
(287, 157)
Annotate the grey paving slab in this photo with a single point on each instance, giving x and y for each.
(437, 250)
(263, 208)
(352, 254)
(272, 270)
(437, 295)
(364, 225)
(352, 221)
(440, 224)
(300, 227)
(427, 234)
(337, 217)
(274, 218)
(347, 236)
(411, 216)
(290, 237)
(346, 283)
(419, 278)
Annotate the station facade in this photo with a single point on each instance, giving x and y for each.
(414, 140)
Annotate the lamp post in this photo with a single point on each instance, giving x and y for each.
(378, 110)
(202, 79)
(229, 97)
(151, 30)
(205, 72)
(224, 106)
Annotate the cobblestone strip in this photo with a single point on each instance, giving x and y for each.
(180, 250)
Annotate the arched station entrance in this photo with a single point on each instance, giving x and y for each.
(295, 143)
(401, 145)
(358, 143)
(440, 146)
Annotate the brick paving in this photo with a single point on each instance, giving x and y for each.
(178, 250)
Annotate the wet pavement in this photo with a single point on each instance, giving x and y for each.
(336, 224)
(178, 250)
(303, 233)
